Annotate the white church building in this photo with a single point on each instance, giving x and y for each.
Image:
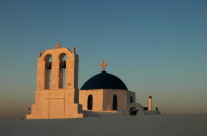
(57, 95)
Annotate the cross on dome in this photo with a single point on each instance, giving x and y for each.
(103, 65)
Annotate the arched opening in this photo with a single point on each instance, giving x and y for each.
(90, 102)
(48, 71)
(62, 70)
(114, 102)
(131, 99)
(133, 111)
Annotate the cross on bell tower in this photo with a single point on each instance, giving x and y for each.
(103, 65)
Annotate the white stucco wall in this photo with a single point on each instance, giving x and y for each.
(174, 125)
(103, 99)
(97, 99)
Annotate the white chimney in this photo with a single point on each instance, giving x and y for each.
(150, 103)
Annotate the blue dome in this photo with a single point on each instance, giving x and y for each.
(104, 81)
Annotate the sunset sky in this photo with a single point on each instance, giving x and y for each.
(157, 47)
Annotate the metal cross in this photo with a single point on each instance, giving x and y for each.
(103, 65)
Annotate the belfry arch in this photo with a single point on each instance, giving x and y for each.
(62, 70)
(48, 71)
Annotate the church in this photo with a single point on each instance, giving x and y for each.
(57, 95)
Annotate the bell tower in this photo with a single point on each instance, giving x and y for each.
(56, 94)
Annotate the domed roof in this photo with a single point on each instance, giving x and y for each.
(104, 81)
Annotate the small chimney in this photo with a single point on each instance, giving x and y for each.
(150, 103)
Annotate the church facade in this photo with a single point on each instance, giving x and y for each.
(57, 95)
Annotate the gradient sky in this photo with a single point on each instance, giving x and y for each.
(157, 47)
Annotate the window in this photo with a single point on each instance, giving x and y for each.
(114, 107)
(131, 99)
(90, 102)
